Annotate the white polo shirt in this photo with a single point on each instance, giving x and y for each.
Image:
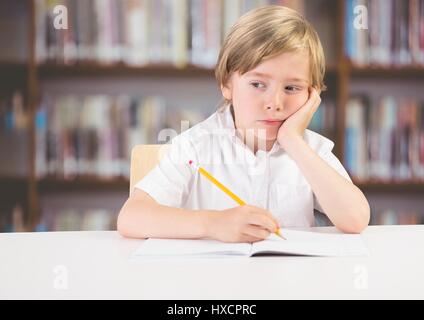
(270, 180)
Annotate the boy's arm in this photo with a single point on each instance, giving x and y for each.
(343, 202)
(142, 217)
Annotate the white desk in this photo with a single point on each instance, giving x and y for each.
(96, 265)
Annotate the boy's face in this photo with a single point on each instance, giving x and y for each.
(270, 93)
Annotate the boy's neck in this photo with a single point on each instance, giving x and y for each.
(265, 145)
(256, 144)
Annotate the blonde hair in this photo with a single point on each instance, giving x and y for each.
(265, 32)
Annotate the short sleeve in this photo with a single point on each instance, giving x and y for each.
(327, 155)
(169, 182)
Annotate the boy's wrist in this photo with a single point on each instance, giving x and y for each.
(208, 223)
(290, 143)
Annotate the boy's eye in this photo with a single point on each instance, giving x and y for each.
(292, 88)
(257, 85)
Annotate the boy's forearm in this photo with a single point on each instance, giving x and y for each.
(343, 202)
(138, 219)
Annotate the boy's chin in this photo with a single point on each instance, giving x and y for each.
(270, 135)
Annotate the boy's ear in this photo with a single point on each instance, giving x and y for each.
(227, 91)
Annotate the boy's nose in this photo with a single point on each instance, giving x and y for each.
(275, 103)
(277, 108)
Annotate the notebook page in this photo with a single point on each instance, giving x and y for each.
(154, 247)
(312, 244)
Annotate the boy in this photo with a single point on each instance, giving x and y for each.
(270, 70)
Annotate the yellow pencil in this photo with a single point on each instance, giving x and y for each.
(225, 189)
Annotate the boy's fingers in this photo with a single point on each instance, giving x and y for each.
(268, 214)
(314, 93)
(256, 232)
(277, 223)
(315, 96)
(274, 219)
(262, 220)
(310, 103)
(249, 239)
(314, 100)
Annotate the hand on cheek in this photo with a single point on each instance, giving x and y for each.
(296, 124)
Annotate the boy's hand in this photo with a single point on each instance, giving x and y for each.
(296, 124)
(242, 224)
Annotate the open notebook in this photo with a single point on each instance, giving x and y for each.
(305, 243)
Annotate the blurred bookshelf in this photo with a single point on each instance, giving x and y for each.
(51, 70)
(73, 102)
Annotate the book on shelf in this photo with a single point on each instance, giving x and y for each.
(136, 32)
(14, 137)
(384, 140)
(142, 32)
(382, 32)
(324, 119)
(94, 134)
(13, 219)
(13, 112)
(397, 217)
(73, 219)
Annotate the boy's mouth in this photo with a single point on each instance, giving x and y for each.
(271, 122)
